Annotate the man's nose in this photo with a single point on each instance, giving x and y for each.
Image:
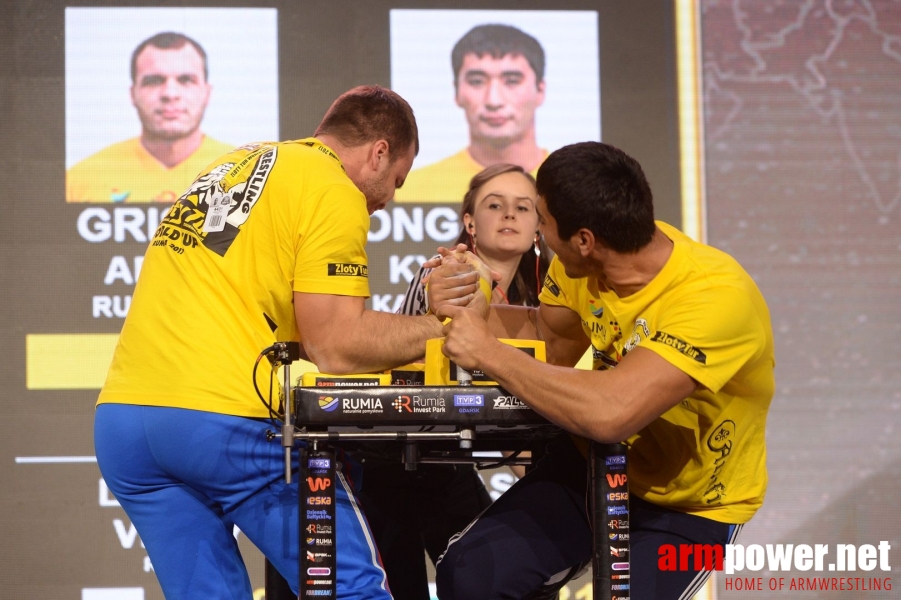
(494, 97)
(171, 88)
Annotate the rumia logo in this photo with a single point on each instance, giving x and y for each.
(402, 403)
(318, 483)
(616, 479)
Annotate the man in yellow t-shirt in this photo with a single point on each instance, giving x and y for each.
(499, 84)
(170, 93)
(683, 357)
(267, 246)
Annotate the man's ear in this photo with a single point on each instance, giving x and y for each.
(540, 87)
(378, 155)
(209, 92)
(585, 241)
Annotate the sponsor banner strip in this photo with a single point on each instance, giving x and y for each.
(318, 524)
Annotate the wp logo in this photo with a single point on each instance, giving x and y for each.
(616, 480)
(318, 483)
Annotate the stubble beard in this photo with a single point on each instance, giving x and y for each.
(372, 189)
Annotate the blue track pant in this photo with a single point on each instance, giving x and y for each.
(186, 477)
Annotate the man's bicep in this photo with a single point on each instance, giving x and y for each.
(646, 386)
(713, 337)
(329, 245)
(324, 321)
(561, 330)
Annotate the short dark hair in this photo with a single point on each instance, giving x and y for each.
(531, 269)
(368, 113)
(498, 41)
(166, 41)
(602, 189)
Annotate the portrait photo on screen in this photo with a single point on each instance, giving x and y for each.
(153, 95)
(493, 86)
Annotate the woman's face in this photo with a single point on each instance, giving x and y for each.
(504, 221)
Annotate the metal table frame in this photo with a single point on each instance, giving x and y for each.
(608, 489)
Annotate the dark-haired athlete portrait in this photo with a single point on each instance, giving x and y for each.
(498, 82)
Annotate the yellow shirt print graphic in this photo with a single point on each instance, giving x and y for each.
(217, 204)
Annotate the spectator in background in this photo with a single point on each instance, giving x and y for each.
(499, 84)
(413, 513)
(170, 92)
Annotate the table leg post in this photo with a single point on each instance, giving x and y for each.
(318, 520)
(276, 587)
(609, 512)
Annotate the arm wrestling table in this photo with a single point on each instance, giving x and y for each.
(434, 424)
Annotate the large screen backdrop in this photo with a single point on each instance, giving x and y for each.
(796, 144)
(84, 198)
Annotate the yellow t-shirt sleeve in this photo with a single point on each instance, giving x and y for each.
(551, 291)
(710, 336)
(331, 254)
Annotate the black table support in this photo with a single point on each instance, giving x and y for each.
(609, 505)
(320, 426)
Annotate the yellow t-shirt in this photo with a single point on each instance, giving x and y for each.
(704, 314)
(444, 181)
(212, 294)
(126, 172)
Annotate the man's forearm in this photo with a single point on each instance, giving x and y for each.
(570, 398)
(606, 406)
(381, 341)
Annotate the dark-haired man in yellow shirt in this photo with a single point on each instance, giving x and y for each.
(683, 374)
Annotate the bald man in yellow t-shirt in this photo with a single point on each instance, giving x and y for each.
(170, 93)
